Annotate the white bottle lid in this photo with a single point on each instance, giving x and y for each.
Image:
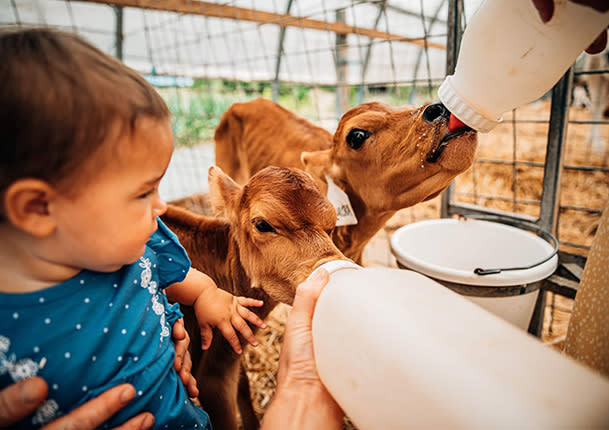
(336, 265)
(451, 99)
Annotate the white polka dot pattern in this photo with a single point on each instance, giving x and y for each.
(588, 335)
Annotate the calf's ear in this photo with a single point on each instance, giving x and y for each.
(223, 192)
(317, 163)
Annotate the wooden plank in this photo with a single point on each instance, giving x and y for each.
(562, 286)
(203, 8)
(575, 269)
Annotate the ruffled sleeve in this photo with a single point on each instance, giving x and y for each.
(173, 313)
(173, 262)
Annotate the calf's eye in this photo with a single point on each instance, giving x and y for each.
(357, 137)
(262, 226)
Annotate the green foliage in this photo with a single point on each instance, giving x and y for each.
(195, 115)
(197, 110)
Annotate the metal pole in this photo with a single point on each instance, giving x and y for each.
(118, 36)
(550, 197)
(361, 89)
(342, 90)
(453, 43)
(279, 55)
(433, 20)
(559, 116)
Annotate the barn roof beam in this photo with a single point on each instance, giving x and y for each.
(195, 7)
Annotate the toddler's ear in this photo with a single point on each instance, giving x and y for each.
(223, 192)
(26, 206)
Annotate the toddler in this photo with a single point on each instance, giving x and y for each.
(86, 266)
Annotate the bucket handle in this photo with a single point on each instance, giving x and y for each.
(547, 236)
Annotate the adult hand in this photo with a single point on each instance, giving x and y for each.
(24, 397)
(183, 362)
(302, 401)
(546, 11)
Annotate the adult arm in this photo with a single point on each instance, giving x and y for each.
(302, 402)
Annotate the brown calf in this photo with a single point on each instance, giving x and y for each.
(276, 232)
(383, 158)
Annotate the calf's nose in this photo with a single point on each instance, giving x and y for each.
(435, 111)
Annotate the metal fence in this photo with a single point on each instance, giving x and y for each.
(547, 164)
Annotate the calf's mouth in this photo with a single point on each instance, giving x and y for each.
(435, 154)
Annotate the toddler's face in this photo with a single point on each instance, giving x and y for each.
(109, 222)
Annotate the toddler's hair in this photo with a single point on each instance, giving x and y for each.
(60, 98)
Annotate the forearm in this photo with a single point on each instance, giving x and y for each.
(303, 407)
(192, 287)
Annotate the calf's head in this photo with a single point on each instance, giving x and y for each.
(281, 224)
(394, 158)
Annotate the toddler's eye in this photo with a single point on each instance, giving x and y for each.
(146, 194)
(262, 226)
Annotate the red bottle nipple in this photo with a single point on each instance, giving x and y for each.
(455, 123)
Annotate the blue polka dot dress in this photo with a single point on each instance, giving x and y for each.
(98, 330)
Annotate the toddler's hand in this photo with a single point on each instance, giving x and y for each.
(219, 308)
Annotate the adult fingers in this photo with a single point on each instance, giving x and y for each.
(96, 411)
(545, 8)
(178, 331)
(598, 45)
(142, 421)
(207, 335)
(307, 294)
(19, 400)
(190, 385)
(599, 5)
(297, 356)
(184, 370)
(181, 342)
(186, 376)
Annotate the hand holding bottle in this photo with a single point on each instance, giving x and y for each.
(524, 57)
(546, 11)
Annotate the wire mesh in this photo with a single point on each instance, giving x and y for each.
(320, 57)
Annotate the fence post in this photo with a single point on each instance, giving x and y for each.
(453, 42)
(118, 35)
(550, 196)
(279, 55)
(342, 90)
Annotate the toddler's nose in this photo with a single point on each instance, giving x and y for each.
(160, 207)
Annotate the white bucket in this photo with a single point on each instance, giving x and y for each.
(450, 250)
